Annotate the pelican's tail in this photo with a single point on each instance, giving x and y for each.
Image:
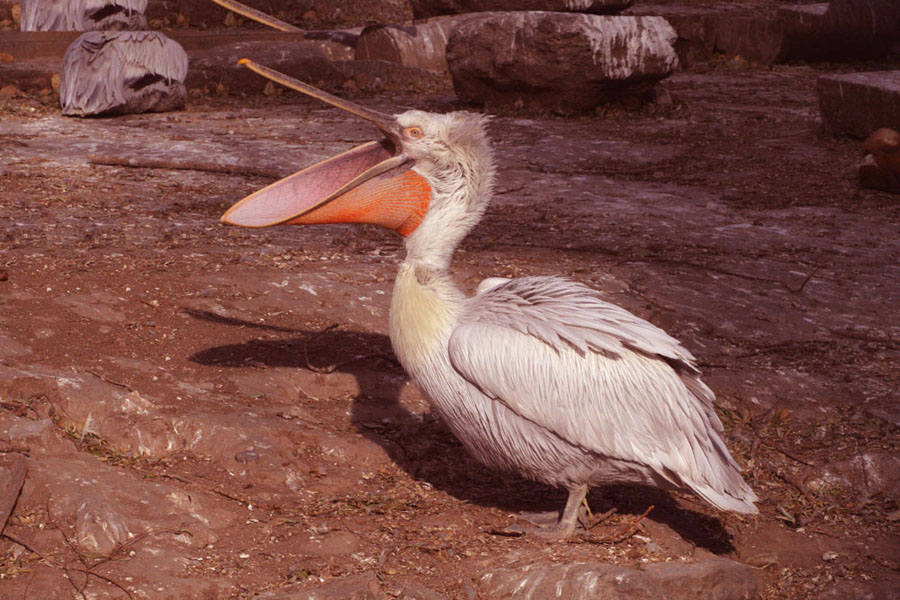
(739, 502)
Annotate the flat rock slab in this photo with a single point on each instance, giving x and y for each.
(857, 104)
(712, 579)
(432, 8)
(561, 62)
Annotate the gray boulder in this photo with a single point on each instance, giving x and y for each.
(556, 61)
(121, 72)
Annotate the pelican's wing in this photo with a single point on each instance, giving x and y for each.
(599, 377)
(100, 69)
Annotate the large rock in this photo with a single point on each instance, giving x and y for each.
(710, 579)
(423, 9)
(871, 474)
(423, 45)
(122, 72)
(557, 61)
(83, 15)
(841, 29)
(857, 104)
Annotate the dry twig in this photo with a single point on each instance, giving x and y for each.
(182, 165)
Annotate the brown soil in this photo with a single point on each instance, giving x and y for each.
(164, 360)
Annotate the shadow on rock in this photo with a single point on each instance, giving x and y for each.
(424, 447)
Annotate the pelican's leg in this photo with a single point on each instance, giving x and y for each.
(589, 520)
(568, 520)
(565, 524)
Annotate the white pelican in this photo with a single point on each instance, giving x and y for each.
(536, 375)
(83, 15)
(119, 72)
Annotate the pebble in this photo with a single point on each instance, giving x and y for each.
(247, 456)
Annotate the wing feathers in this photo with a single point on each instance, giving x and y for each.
(599, 377)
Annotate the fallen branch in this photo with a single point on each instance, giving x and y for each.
(627, 531)
(620, 536)
(182, 165)
(862, 337)
(109, 381)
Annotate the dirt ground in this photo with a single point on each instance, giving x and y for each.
(210, 412)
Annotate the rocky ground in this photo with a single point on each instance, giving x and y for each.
(208, 412)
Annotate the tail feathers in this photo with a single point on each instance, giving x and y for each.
(741, 503)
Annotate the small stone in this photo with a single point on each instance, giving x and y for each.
(10, 91)
(99, 529)
(247, 456)
(830, 555)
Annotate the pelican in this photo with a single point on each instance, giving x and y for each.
(119, 72)
(83, 15)
(537, 375)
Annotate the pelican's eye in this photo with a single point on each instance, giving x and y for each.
(413, 133)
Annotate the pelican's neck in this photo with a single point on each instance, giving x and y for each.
(426, 302)
(459, 197)
(425, 307)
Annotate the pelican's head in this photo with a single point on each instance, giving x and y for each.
(431, 170)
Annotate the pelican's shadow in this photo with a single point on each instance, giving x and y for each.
(425, 448)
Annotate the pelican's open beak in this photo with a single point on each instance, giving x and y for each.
(371, 183)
